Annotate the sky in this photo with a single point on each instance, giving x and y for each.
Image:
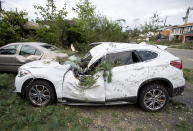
(135, 12)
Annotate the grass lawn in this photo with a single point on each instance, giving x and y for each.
(188, 74)
(18, 114)
(175, 44)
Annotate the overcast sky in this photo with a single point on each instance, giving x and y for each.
(135, 12)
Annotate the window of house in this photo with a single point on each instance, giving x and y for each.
(9, 50)
(147, 55)
(27, 50)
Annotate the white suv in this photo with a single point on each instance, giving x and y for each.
(146, 74)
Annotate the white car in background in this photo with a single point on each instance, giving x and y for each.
(146, 74)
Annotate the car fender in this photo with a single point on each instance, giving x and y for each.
(158, 79)
(53, 75)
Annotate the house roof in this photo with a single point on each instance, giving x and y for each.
(184, 25)
(165, 32)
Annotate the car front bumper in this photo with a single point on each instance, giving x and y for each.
(178, 91)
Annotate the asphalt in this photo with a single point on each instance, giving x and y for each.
(187, 96)
(187, 59)
(185, 55)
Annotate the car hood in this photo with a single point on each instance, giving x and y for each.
(46, 63)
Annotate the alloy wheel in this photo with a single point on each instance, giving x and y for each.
(154, 99)
(39, 95)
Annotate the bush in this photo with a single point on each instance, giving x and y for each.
(11, 26)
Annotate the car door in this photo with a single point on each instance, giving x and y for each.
(8, 58)
(73, 91)
(25, 52)
(126, 76)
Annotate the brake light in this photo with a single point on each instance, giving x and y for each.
(177, 64)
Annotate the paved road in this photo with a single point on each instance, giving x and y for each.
(187, 97)
(185, 55)
(187, 58)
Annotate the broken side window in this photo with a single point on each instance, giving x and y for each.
(120, 58)
(94, 65)
(147, 55)
(85, 60)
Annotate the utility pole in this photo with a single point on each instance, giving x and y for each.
(165, 21)
(185, 18)
(0, 5)
(1, 2)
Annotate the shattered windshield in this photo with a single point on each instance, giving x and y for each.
(85, 60)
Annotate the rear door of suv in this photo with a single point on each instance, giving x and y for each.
(126, 75)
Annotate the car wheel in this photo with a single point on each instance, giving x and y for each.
(153, 97)
(20, 95)
(40, 93)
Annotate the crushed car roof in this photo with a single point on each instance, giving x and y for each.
(104, 48)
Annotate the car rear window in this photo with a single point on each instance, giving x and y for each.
(147, 55)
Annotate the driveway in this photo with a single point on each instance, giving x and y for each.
(185, 55)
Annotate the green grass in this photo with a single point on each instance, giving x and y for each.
(188, 74)
(174, 44)
(6, 80)
(187, 45)
(114, 114)
(18, 114)
(183, 126)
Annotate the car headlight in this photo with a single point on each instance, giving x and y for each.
(22, 73)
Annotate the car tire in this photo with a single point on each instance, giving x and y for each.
(20, 95)
(153, 97)
(40, 93)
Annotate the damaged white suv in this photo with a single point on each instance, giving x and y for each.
(145, 74)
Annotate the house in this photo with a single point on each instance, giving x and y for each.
(182, 32)
(164, 33)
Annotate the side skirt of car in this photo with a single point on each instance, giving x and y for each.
(120, 101)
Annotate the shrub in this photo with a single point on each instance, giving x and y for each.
(11, 26)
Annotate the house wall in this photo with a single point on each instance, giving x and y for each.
(181, 32)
